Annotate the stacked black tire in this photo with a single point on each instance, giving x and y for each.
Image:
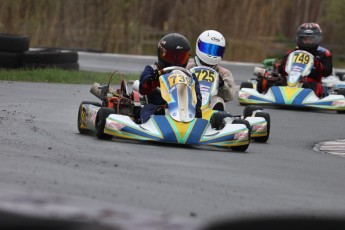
(12, 48)
(15, 53)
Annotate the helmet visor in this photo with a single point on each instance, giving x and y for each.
(211, 49)
(309, 40)
(178, 58)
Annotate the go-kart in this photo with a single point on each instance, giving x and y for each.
(259, 120)
(117, 116)
(296, 93)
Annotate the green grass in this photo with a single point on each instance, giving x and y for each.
(62, 76)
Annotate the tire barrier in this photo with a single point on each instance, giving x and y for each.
(51, 58)
(14, 43)
(15, 53)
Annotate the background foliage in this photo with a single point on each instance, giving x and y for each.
(254, 29)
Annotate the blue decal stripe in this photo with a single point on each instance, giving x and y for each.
(197, 131)
(301, 96)
(127, 135)
(321, 103)
(255, 98)
(168, 133)
(278, 95)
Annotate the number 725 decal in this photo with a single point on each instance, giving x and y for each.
(205, 75)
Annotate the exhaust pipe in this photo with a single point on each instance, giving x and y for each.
(96, 90)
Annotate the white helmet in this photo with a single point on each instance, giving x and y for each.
(210, 47)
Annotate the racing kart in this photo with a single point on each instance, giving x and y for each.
(117, 116)
(295, 93)
(213, 110)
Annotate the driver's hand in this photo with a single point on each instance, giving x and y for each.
(154, 75)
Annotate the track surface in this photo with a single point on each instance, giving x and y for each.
(41, 150)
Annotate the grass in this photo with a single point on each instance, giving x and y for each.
(62, 76)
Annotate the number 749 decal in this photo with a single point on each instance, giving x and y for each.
(302, 58)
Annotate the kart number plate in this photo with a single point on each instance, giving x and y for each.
(205, 75)
(302, 58)
(178, 78)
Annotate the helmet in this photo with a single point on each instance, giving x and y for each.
(173, 50)
(210, 47)
(308, 36)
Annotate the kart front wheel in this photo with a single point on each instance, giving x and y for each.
(242, 148)
(249, 109)
(82, 116)
(101, 117)
(246, 85)
(267, 117)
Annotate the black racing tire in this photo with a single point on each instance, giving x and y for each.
(249, 109)
(216, 121)
(341, 91)
(341, 75)
(66, 66)
(14, 43)
(101, 117)
(11, 60)
(241, 148)
(246, 85)
(50, 56)
(81, 113)
(267, 117)
(219, 106)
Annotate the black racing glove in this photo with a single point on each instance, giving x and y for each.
(221, 82)
(155, 75)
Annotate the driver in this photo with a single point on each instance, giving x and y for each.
(210, 47)
(173, 50)
(308, 38)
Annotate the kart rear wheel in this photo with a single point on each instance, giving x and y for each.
(81, 115)
(341, 75)
(101, 117)
(267, 117)
(241, 148)
(249, 109)
(246, 85)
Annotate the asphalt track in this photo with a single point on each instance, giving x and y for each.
(42, 152)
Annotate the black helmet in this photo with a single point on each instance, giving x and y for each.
(173, 50)
(308, 36)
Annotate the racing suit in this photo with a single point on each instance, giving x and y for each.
(226, 91)
(148, 87)
(323, 67)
